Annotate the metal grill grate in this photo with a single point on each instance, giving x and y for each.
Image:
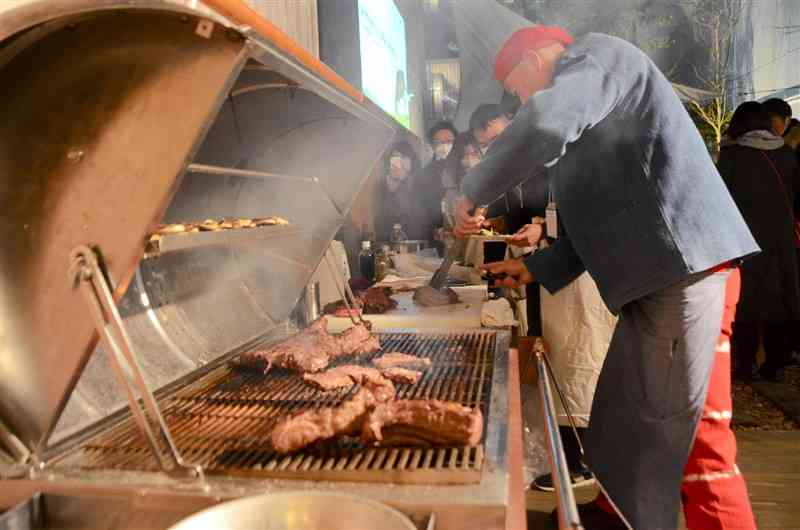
(224, 420)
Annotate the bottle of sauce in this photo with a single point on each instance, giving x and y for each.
(366, 261)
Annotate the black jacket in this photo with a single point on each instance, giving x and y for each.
(401, 206)
(770, 290)
(431, 193)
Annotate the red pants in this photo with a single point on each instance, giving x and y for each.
(713, 491)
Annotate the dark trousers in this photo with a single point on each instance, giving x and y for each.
(534, 305)
(778, 338)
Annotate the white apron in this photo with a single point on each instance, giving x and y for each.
(577, 328)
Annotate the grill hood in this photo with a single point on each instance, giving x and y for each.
(121, 115)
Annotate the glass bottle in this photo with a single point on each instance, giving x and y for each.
(398, 239)
(366, 261)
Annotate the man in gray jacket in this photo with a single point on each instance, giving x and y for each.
(645, 212)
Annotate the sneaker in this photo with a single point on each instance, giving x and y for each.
(593, 518)
(578, 478)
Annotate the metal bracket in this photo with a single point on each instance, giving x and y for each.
(86, 274)
(568, 516)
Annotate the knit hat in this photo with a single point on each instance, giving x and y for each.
(532, 38)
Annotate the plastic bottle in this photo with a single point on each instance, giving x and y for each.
(398, 239)
(366, 261)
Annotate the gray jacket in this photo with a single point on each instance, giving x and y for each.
(635, 187)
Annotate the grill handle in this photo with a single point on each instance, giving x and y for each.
(568, 518)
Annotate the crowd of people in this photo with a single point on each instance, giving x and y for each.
(758, 161)
(695, 267)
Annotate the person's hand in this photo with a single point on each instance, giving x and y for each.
(528, 235)
(516, 272)
(466, 223)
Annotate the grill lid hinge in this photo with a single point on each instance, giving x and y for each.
(85, 273)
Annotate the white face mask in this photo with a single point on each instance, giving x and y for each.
(441, 151)
(401, 163)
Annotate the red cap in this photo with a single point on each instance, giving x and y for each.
(532, 38)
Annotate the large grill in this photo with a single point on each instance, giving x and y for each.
(223, 421)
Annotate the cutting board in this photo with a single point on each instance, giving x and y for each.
(408, 315)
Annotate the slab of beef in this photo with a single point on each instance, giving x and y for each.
(401, 375)
(372, 301)
(423, 422)
(306, 428)
(341, 377)
(339, 310)
(311, 350)
(347, 375)
(357, 340)
(377, 300)
(427, 296)
(400, 360)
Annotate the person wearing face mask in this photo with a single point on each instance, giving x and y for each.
(398, 194)
(440, 138)
(648, 216)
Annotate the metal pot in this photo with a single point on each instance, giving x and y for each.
(297, 510)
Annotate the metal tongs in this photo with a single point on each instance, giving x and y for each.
(355, 314)
(454, 249)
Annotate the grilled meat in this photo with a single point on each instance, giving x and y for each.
(213, 225)
(347, 375)
(427, 296)
(177, 228)
(374, 413)
(400, 360)
(311, 350)
(372, 301)
(314, 426)
(340, 377)
(377, 300)
(357, 340)
(401, 375)
(427, 422)
(339, 310)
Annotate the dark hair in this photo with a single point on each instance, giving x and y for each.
(441, 126)
(453, 160)
(483, 115)
(777, 107)
(406, 150)
(792, 124)
(510, 104)
(749, 116)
